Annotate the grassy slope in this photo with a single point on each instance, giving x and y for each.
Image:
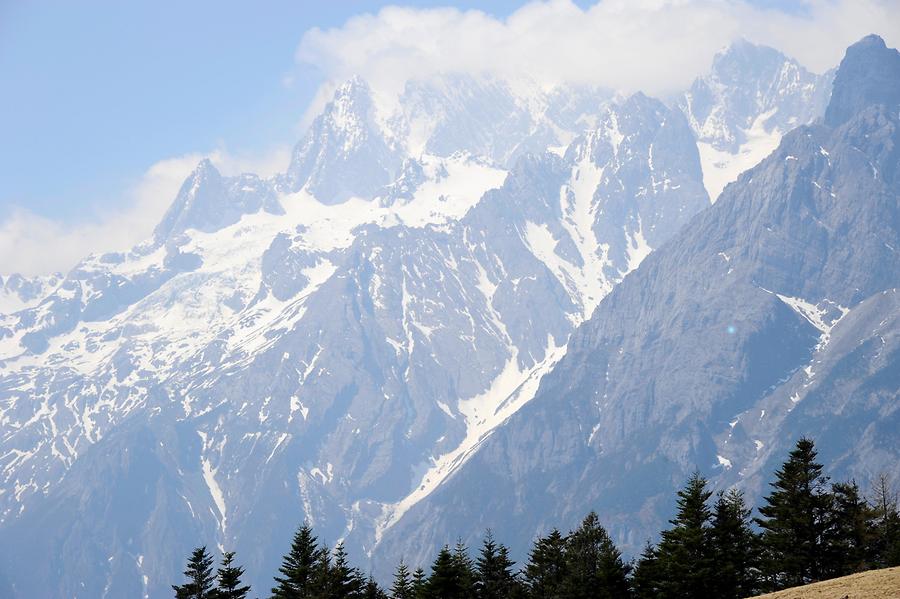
(877, 584)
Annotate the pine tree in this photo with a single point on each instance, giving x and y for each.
(371, 590)
(447, 578)
(684, 551)
(321, 583)
(301, 567)
(229, 579)
(403, 587)
(612, 572)
(594, 566)
(465, 567)
(850, 532)
(420, 584)
(345, 581)
(648, 576)
(734, 547)
(494, 578)
(199, 575)
(794, 520)
(545, 571)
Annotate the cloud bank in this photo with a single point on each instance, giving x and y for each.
(655, 46)
(31, 244)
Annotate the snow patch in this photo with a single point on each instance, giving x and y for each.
(638, 248)
(209, 476)
(721, 168)
(512, 388)
(446, 409)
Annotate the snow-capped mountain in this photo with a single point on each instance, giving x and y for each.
(752, 96)
(331, 344)
(494, 118)
(360, 143)
(771, 315)
(18, 292)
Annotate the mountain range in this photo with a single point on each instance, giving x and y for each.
(484, 304)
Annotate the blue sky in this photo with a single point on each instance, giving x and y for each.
(105, 105)
(96, 91)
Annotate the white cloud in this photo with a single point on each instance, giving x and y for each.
(32, 244)
(656, 46)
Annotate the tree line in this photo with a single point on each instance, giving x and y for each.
(807, 530)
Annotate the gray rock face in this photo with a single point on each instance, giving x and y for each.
(208, 201)
(772, 314)
(345, 153)
(869, 74)
(655, 159)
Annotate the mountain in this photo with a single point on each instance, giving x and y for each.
(18, 292)
(340, 359)
(773, 314)
(358, 145)
(491, 117)
(750, 98)
(208, 202)
(345, 153)
(340, 343)
(868, 76)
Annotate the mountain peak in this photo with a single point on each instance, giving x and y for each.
(203, 181)
(205, 166)
(869, 74)
(344, 153)
(743, 52)
(872, 40)
(351, 86)
(209, 201)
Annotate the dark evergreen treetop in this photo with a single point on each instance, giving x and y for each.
(594, 566)
(300, 568)
(546, 569)
(794, 519)
(684, 551)
(403, 587)
(229, 579)
(648, 576)
(344, 580)
(734, 547)
(465, 567)
(420, 584)
(849, 532)
(200, 577)
(371, 590)
(494, 577)
(448, 579)
(886, 542)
